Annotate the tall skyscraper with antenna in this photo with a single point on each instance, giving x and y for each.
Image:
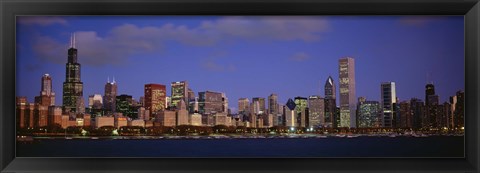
(348, 100)
(109, 99)
(73, 86)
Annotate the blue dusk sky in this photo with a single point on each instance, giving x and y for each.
(244, 56)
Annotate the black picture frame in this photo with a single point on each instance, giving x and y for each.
(9, 9)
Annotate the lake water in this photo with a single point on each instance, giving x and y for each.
(433, 146)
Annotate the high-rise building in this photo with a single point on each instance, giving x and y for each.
(179, 92)
(316, 106)
(388, 99)
(210, 102)
(368, 113)
(124, 104)
(110, 96)
(330, 102)
(47, 96)
(73, 86)
(273, 104)
(261, 102)
(290, 116)
(191, 101)
(417, 108)
(243, 105)
(406, 118)
(225, 103)
(459, 110)
(301, 111)
(155, 97)
(95, 101)
(22, 112)
(451, 117)
(347, 92)
(431, 106)
(182, 113)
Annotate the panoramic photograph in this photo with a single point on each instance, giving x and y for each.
(240, 86)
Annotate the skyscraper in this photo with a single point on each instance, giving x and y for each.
(124, 104)
(210, 102)
(417, 109)
(243, 105)
(290, 117)
(179, 92)
(388, 99)
(73, 86)
(47, 96)
(316, 111)
(368, 114)
(431, 106)
(155, 97)
(273, 104)
(459, 110)
(261, 102)
(110, 96)
(330, 102)
(347, 92)
(301, 110)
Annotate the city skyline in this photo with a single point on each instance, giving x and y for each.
(223, 76)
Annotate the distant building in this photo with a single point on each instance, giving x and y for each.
(302, 111)
(155, 97)
(73, 86)
(55, 115)
(261, 103)
(124, 104)
(166, 118)
(388, 95)
(243, 105)
(40, 115)
(104, 121)
(47, 96)
(210, 102)
(110, 96)
(179, 91)
(290, 116)
(406, 117)
(459, 116)
(182, 113)
(273, 104)
(330, 103)
(316, 105)
(347, 92)
(95, 101)
(196, 119)
(431, 107)
(220, 119)
(137, 123)
(120, 121)
(417, 108)
(369, 113)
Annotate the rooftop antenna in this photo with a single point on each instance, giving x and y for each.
(71, 40)
(113, 79)
(74, 40)
(108, 79)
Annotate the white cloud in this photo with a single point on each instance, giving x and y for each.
(123, 41)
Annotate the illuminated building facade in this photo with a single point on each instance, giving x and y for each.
(155, 97)
(243, 105)
(110, 96)
(73, 86)
(330, 102)
(368, 114)
(316, 112)
(261, 103)
(47, 96)
(347, 92)
(273, 104)
(179, 91)
(388, 95)
(210, 102)
(301, 111)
